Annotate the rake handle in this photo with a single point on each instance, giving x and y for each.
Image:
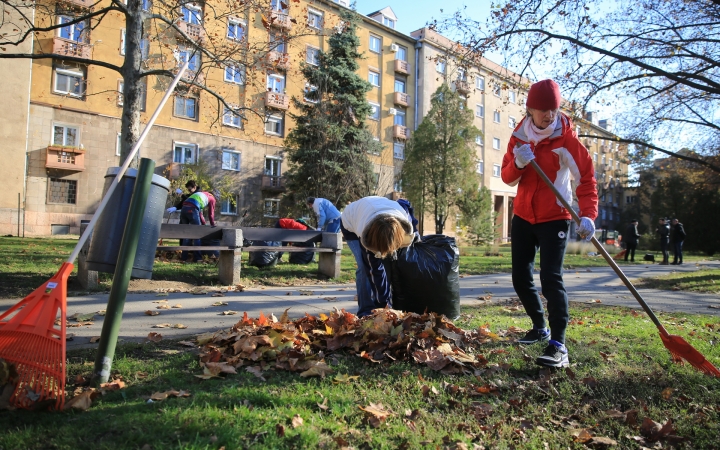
(602, 250)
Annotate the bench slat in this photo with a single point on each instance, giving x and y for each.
(174, 248)
(185, 231)
(287, 249)
(280, 234)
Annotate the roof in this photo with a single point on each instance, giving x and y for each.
(386, 11)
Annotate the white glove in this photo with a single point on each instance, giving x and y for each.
(318, 229)
(586, 229)
(178, 191)
(171, 209)
(523, 155)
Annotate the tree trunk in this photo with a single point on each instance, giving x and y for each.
(133, 85)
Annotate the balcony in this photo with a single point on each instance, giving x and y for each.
(278, 60)
(280, 20)
(82, 3)
(193, 31)
(277, 100)
(67, 47)
(65, 158)
(402, 99)
(462, 87)
(402, 67)
(273, 183)
(400, 132)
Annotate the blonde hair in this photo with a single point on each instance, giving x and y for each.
(384, 236)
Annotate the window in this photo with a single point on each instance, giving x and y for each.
(312, 55)
(146, 5)
(511, 96)
(374, 78)
(272, 207)
(345, 3)
(480, 83)
(77, 32)
(230, 160)
(228, 206)
(496, 143)
(388, 22)
(311, 93)
(461, 74)
(481, 167)
(275, 83)
(144, 45)
(184, 153)
(273, 166)
(67, 136)
(315, 19)
(375, 43)
(479, 110)
(399, 85)
(511, 122)
(496, 116)
(277, 43)
(186, 107)
(235, 30)
(274, 125)
(441, 66)
(279, 5)
(69, 81)
(62, 191)
(401, 53)
(604, 159)
(231, 118)
(399, 117)
(479, 140)
(122, 41)
(191, 13)
(399, 150)
(118, 144)
(194, 57)
(374, 111)
(595, 157)
(496, 90)
(235, 73)
(143, 93)
(630, 199)
(397, 187)
(496, 170)
(121, 88)
(602, 210)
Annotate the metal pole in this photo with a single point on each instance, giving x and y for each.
(123, 269)
(18, 214)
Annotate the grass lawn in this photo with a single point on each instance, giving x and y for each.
(707, 281)
(620, 384)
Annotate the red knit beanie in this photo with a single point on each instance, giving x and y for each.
(544, 95)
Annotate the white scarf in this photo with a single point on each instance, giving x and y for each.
(534, 133)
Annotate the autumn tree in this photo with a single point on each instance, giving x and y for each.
(329, 145)
(441, 164)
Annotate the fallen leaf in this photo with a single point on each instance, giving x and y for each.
(162, 307)
(162, 325)
(305, 292)
(177, 306)
(94, 339)
(280, 430)
(323, 405)
(667, 393)
(319, 369)
(257, 371)
(154, 337)
(219, 304)
(151, 313)
(186, 343)
(113, 385)
(297, 421)
(343, 378)
(228, 313)
(82, 401)
(179, 326)
(376, 413)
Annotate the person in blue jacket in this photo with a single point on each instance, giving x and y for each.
(327, 214)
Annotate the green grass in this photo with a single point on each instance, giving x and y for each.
(706, 280)
(531, 408)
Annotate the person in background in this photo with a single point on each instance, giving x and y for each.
(192, 213)
(327, 214)
(677, 236)
(296, 224)
(663, 231)
(541, 223)
(374, 228)
(191, 186)
(630, 238)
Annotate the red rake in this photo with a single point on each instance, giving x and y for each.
(30, 340)
(679, 348)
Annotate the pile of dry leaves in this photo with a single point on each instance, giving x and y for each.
(300, 345)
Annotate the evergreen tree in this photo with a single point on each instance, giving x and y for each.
(478, 216)
(441, 164)
(328, 146)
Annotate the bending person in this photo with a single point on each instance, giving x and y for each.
(192, 213)
(327, 214)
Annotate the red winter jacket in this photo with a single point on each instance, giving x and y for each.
(563, 159)
(291, 224)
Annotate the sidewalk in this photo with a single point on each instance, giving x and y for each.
(199, 316)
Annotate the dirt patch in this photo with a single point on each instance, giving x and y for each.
(160, 285)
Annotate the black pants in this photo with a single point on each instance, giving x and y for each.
(664, 249)
(551, 239)
(677, 252)
(630, 250)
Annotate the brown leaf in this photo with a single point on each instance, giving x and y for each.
(631, 417)
(377, 412)
(318, 369)
(323, 405)
(601, 442)
(285, 318)
(151, 313)
(583, 436)
(162, 325)
(82, 401)
(229, 313)
(650, 429)
(615, 414)
(667, 393)
(297, 421)
(154, 337)
(219, 304)
(161, 307)
(94, 339)
(177, 306)
(113, 385)
(590, 382)
(257, 371)
(280, 430)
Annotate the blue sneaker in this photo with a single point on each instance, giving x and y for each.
(555, 355)
(535, 335)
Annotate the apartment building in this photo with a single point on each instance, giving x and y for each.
(75, 109)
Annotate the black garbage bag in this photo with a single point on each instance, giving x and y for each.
(264, 259)
(425, 276)
(302, 257)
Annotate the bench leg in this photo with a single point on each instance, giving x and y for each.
(88, 278)
(229, 267)
(329, 264)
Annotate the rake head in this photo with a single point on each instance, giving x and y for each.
(30, 340)
(681, 351)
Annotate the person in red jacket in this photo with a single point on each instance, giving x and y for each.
(541, 222)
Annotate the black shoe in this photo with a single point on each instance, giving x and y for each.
(555, 355)
(535, 335)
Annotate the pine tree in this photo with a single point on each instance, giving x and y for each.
(328, 146)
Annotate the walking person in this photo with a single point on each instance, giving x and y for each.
(375, 227)
(630, 238)
(192, 213)
(327, 214)
(663, 231)
(540, 222)
(677, 236)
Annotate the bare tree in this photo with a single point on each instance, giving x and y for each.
(658, 59)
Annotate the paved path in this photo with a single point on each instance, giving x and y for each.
(199, 316)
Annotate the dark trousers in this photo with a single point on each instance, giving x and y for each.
(190, 215)
(630, 250)
(551, 239)
(664, 249)
(677, 252)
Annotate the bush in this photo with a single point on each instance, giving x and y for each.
(583, 248)
(649, 242)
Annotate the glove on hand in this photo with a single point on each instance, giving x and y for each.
(586, 229)
(171, 209)
(523, 155)
(178, 191)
